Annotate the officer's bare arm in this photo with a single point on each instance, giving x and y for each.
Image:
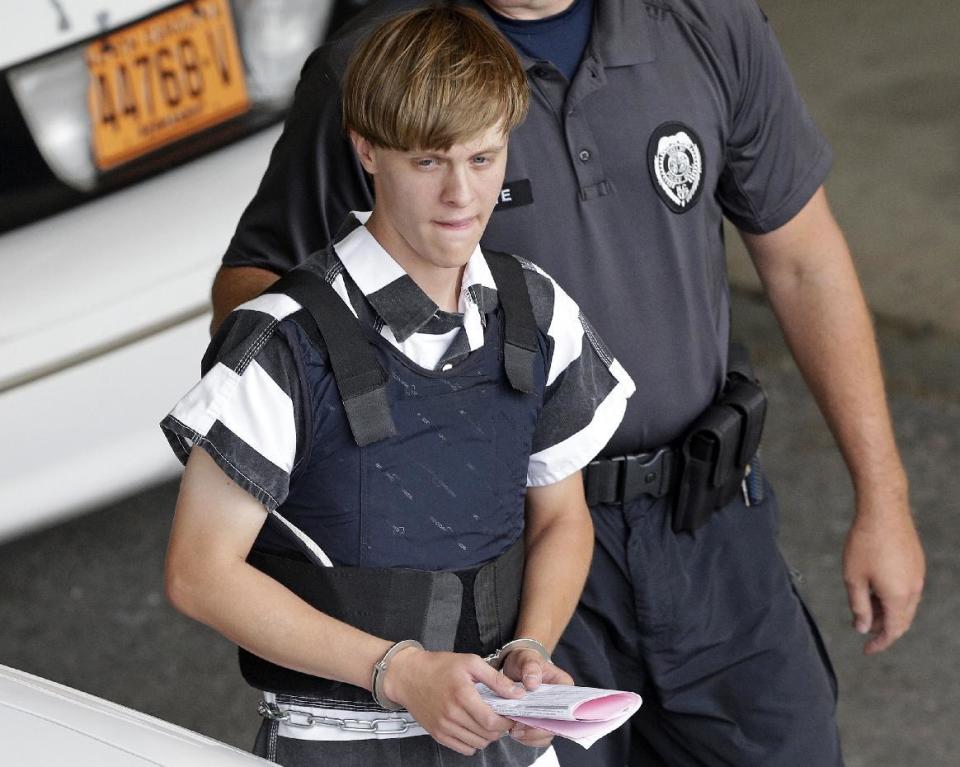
(235, 285)
(810, 280)
(207, 578)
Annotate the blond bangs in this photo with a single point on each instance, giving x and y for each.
(433, 78)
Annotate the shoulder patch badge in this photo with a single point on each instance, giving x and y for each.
(675, 161)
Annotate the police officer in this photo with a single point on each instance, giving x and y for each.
(414, 411)
(649, 123)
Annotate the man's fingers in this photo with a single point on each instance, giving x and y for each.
(883, 640)
(470, 727)
(531, 736)
(883, 556)
(454, 744)
(483, 720)
(531, 674)
(527, 667)
(876, 604)
(897, 614)
(858, 594)
(555, 675)
(497, 681)
(466, 735)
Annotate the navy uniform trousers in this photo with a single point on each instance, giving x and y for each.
(708, 628)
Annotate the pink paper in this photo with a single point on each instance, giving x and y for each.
(559, 726)
(603, 708)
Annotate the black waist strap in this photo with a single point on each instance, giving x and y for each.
(395, 604)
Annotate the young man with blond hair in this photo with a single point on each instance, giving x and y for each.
(383, 456)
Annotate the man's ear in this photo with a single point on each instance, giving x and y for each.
(366, 152)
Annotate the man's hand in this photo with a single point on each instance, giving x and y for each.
(531, 669)
(437, 688)
(883, 568)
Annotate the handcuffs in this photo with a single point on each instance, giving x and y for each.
(495, 660)
(498, 658)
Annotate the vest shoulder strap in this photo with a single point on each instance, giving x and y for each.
(360, 377)
(520, 327)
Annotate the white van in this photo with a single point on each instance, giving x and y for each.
(43, 724)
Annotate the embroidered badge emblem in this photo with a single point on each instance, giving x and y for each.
(675, 159)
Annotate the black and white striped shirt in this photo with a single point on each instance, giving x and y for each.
(248, 410)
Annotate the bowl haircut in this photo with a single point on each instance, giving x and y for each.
(431, 78)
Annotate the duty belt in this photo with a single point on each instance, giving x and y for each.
(705, 470)
(625, 478)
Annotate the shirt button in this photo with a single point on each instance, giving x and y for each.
(541, 71)
(448, 366)
(584, 155)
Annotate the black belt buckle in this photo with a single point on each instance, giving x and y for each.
(626, 477)
(645, 474)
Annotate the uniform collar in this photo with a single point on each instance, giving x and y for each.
(399, 301)
(621, 33)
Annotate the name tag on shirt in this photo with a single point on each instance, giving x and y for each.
(515, 194)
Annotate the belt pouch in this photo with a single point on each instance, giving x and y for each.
(716, 450)
(694, 500)
(749, 400)
(710, 477)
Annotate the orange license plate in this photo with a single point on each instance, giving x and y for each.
(163, 79)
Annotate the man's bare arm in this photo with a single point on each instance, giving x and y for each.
(208, 578)
(811, 283)
(235, 285)
(559, 546)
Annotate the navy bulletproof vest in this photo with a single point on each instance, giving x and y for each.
(416, 491)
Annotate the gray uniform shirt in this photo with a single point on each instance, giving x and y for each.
(682, 112)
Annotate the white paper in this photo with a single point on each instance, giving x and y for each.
(581, 714)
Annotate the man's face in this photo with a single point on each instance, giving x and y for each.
(431, 205)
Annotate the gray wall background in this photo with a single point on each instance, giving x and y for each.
(82, 603)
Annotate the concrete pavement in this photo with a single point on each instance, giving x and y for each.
(882, 80)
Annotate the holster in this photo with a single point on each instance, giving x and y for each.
(716, 450)
(467, 611)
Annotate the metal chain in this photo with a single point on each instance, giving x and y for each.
(293, 717)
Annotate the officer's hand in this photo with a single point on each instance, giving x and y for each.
(437, 688)
(531, 669)
(883, 568)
